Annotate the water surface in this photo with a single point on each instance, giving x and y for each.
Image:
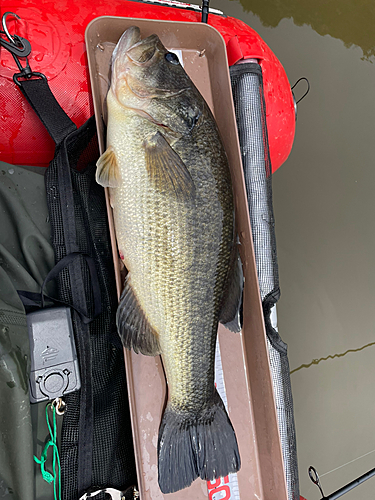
(324, 210)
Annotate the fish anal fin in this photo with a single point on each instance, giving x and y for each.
(107, 172)
(166, 170)
(231, 303)
(133, 326)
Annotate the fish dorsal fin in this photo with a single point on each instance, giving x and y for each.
(230, 311)
(108, 173)
(132, 324)
(166, 170)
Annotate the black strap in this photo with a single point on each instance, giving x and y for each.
(38, 300)
(79, 298)
(53, 117)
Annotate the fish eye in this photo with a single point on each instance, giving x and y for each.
(172, 58)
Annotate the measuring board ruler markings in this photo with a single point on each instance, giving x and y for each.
(223, 488)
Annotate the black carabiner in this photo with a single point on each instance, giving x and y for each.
(19, 48)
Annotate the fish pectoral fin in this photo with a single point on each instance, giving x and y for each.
(232, 299)
(108, 172)
(132, 324)
(166, 170)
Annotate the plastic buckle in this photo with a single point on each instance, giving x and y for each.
(20, 48)
(115, 494)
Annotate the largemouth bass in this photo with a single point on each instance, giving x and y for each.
(171, 194)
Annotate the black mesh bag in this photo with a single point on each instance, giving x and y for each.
(96, 439)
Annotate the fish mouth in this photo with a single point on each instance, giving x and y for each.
(132, 51)
(146, 95)
(167, 130)
(143, 52)
(158, 93)
(128, 39)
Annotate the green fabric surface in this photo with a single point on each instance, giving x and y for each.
(26, 256)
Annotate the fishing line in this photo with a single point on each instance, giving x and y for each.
(351, 461)
(55, 476)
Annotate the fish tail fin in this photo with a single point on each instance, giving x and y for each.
(190, 447)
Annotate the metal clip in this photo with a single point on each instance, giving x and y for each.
(59, 405)
(307, 90)
(19, 48)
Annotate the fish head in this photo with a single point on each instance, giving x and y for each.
(149, 79)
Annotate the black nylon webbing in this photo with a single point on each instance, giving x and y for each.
(79, 298)
(32, 300)
(53, 117)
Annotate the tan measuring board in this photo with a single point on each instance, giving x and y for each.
(243, 368)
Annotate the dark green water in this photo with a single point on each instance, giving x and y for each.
(347, 20)
(325, 222)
